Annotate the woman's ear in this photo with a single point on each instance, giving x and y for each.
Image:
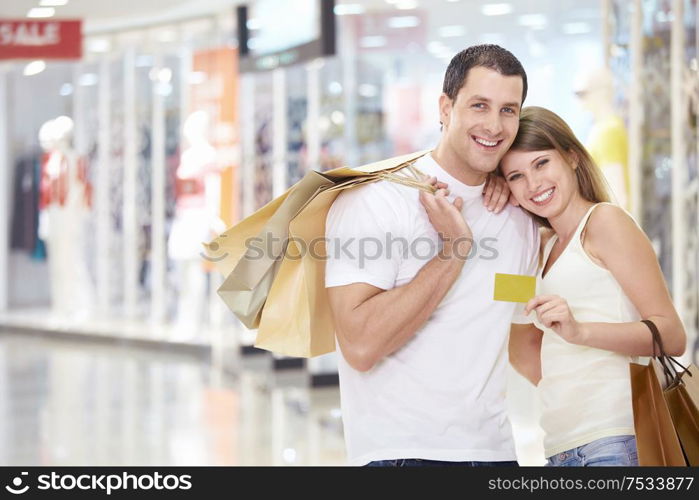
(573, 158)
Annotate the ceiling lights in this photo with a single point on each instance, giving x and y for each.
(496, 9)
(347, 9)
(452, 31)
(578, 28)
(403, 22)
(533, 21)
(34, 68)
(40, 12)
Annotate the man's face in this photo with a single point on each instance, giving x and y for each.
(482, 122)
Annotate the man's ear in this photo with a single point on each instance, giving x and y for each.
(445, 105)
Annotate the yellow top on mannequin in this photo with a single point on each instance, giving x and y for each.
(608, 141)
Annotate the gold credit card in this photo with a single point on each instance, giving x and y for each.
(514, 287)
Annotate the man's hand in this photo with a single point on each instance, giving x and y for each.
(448, 221)
(496, 193)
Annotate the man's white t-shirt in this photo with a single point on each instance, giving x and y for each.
(442, 395)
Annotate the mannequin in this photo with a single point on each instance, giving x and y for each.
(197, 192)
(64, 207)
(608, 140)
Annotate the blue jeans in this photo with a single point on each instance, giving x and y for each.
(419, 462)
(609, 451)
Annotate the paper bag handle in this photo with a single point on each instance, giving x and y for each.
(671, 374)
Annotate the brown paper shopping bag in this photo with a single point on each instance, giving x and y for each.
(296, 319)
(656, 438)
(228, 247)
(683, 402)
(252, 250)
(251, 253)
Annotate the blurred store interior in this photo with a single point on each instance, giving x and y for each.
(156, 130)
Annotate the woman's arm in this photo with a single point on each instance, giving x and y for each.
(614, 240)
(524, 349)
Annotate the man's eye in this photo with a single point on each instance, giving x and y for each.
(479, 105)
(508, 110)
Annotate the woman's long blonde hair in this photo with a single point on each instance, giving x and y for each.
(541, 129)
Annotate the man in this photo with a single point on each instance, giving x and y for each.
(423, 343)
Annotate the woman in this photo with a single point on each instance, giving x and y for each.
(598, 278)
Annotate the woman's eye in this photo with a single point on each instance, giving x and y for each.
(514, 177)
(541, 163)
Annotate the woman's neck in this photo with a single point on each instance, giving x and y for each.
(565, 223)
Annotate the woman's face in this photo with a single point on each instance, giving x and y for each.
(542, 182)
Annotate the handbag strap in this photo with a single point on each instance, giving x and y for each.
(671, 374)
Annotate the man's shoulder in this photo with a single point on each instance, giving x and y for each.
(519, 217)
(380, 193)
(389, 190)
(377, 205)
(520, 226)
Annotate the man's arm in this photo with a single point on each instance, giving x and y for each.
(372, 323)
(525, 351)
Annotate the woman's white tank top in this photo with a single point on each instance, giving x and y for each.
(585, 392)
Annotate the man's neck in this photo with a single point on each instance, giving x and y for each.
(456, 168)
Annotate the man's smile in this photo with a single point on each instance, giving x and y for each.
(486, 144)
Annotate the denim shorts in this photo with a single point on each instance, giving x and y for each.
(608, 451)
(419, 462)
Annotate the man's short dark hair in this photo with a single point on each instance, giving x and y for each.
(488, 56)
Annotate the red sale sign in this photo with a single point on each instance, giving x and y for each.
(35, 39)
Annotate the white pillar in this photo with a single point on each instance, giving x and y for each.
(247, 116)
(279, 132)
(279, 135)
(679, 167)
(6, 382)
(323, 364)
(129, 221)
(278, 419)
(185, 90)
(349, 84)
(158, 254)
(635, 105)
(5, 211)
(313, 140)
(696, 113)
(103, 245)
(79, 115)
(247, 179)
(606, 29)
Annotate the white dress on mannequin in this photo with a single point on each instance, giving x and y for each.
(196, 214)
(62, 222)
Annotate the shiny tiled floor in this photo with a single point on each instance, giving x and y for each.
(75, 402)
(79, 403)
